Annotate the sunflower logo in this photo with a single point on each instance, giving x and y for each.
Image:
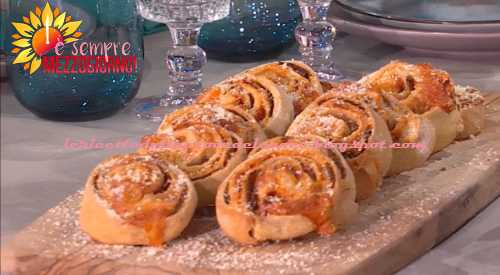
(39, 33)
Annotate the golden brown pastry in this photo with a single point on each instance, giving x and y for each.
(295, 78)
(281, 193)
(425, 91)
(232, 119)
(264, 100)
(413, 135)
(345, 120)
(206, 152)
(136, 200)
(470, 102)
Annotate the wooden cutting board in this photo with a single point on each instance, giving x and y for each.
(412, 213)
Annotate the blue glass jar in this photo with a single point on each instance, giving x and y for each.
(75, 60)
(253, 30)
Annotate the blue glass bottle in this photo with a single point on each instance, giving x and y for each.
(253, 30)
(80, 60)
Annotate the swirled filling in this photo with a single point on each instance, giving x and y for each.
(229, 118)
(302, 142)
(399, 119)
(142, 192)
(245, 93)
(419, 87)
(299, 70)
(286, 183)
(200, 150)
(339, 120)
(298, 87)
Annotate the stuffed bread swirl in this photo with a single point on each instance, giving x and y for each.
(136, 200)
(341, 119)
(296, 78)
(283, 193)
(413, 134)
(204, 151)
(425, 91)
(232, 119)
(271, 107)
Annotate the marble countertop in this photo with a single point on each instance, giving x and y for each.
(37, 171)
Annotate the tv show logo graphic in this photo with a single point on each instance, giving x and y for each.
(50, 30)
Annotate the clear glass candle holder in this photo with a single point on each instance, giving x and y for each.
(185, 59)
(315, 36)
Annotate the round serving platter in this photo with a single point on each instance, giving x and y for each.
(474, 43)
(445, 16)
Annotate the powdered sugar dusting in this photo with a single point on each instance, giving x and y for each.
(404, 203)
